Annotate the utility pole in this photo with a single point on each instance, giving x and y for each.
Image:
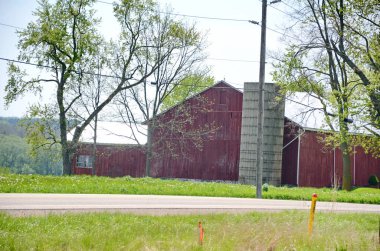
(260, 115)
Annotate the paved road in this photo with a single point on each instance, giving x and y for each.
(25, 204)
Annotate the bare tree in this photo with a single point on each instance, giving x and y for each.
(179, 46)
(96, 87)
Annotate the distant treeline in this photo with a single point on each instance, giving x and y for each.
(14, 151)
(10, 126)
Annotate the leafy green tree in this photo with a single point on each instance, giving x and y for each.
(61, 39)
(64, 40)
(362, 34)
(359, 27)
(320, 63)
(189, 86)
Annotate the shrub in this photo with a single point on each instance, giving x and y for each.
(373, 180)
(5, 170)
(265, 187)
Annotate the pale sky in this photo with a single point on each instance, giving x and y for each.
(227, 40)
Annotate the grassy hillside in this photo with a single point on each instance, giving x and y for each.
(253, 231)
(13, 183)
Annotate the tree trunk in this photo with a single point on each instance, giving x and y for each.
(344, 147)
(346, 167)
(63, 131)
(66, 160)
(149, 148)
(94, 146)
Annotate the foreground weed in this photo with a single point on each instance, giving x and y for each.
(253, 231)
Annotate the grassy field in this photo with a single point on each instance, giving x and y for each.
(13, 183)
(253, 231)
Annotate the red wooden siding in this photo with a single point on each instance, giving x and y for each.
(289, 154)
(317, 164)
(114, 161)
(365, 166)
(177, 156)
(219, 156)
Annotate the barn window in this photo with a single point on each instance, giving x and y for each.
(85, 161)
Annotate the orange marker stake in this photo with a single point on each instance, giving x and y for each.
(312, 211)
(201, 233)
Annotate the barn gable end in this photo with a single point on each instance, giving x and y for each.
(218, 107)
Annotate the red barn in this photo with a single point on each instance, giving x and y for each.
(116, 154)
(219, 108)
(306, 162)
(111, 160)
(214, 155)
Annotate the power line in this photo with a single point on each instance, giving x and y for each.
(288, 5)
(229, 19)
(286, 13)
(27, 63)
(11, 26)
(110, 76)
(51, 67)
(192, 16)
(94, 74)
(205, 17)
(104, 2)
(279, 10)
(223, 19)
(216, 59)
(195, 16)
(282, 33)
(235, 60)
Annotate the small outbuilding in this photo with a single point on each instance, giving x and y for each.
(307, 162)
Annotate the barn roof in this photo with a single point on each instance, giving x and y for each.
(114, 133)
(121, 133)
(221, 82)
(313, 119)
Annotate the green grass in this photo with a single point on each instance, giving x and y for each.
(13, 183)
(253, 231)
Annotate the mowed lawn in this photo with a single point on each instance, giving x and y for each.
(253, 231)
(14, 183)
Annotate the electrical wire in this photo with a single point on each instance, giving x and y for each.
(198, 17)
(110, 76)
(286, 13)
(288, 5)
(51, 67)
(223, 19)
(194, 16)
(235, 60)
(11, 26)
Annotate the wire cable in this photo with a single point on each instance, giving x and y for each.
(235, 60)
(51, 67)
(11, 26)
(194, 16)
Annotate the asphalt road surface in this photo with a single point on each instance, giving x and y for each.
(27, 204)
